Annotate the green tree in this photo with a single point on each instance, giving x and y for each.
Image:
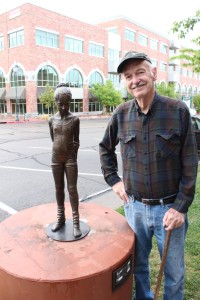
(166, 90)
(47, 98)
(106, 94)
(196, 102)
(190, 56)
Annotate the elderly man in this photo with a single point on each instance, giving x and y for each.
(159, 158)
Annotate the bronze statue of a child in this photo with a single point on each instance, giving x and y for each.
(64, 131)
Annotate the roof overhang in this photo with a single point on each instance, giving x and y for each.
(2, 93)
(18, 92)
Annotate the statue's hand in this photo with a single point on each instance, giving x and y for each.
(76, 146)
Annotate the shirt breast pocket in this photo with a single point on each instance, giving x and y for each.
(168, 145)
(127, 144)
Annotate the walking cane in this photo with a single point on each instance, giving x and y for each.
(162, 265)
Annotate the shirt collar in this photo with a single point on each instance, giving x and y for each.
(152, 107)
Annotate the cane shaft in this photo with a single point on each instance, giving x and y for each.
(162, 265)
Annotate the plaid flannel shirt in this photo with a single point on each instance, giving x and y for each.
(158, 151)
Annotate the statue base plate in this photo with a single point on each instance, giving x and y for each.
(65, 233)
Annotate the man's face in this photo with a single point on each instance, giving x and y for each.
(139, 78)
(63, 104)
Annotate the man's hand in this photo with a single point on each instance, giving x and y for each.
(173, 219)
(119, 189)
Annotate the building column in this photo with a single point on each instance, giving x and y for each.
(85, 98)
(31, 97)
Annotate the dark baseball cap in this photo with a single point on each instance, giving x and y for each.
(132, 55)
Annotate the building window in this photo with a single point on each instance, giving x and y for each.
(96, 50)
(154, 63)
(177, 88)
(143, 40)
(163, 48)
(190, 90)
(178, 70)
(190, 73)
(73, 45)
(47, 75)
(184, 89)
(74, 79)
(1, 43)
(17, 78)
(195, 90)
(76, 105)
(3, 107)
(113, 29)
(163, 67)
(95, 78)
(115, 79)
(130, 35)
(48, 39)
(184, 72)
(2, 80)
(153, 44)
(113, 54)
(16, 38)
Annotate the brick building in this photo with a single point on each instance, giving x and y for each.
(39, 47)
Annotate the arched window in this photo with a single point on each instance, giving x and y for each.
(190, 90)
(177, 88)
(184, 89)
(2, 80)
(17, 77)
(74, 79)
(95, 77)
(47, 75)
(195, 91)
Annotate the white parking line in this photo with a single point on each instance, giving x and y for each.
(47, 148)
(24, 169)
(48, 171)
(80, 150)
(95, 194)
(8, 209)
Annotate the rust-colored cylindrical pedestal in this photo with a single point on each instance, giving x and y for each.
(35, 267)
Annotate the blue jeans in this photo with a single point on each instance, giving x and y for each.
(146, 221)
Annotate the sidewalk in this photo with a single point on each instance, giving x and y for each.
(11, 119)
(4, 119)
(107, 199)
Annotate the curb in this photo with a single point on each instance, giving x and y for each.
(45, 120)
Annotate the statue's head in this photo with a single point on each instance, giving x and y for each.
(61, 90)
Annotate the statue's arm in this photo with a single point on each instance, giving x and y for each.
(76, 133)
(51, 128)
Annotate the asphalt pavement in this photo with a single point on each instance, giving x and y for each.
(106, 198)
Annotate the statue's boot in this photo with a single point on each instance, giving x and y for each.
(76, 225)
(60, 219)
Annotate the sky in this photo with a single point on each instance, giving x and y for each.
(157, 15)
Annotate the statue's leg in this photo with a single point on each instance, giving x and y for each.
(58, 174)
(71, 170)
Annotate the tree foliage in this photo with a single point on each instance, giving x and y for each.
(106, 94)
(191, 57)
(196, 102)
(185, 26)
(166, 90)
(47, 98)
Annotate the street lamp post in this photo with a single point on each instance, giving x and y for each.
(15, 69)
